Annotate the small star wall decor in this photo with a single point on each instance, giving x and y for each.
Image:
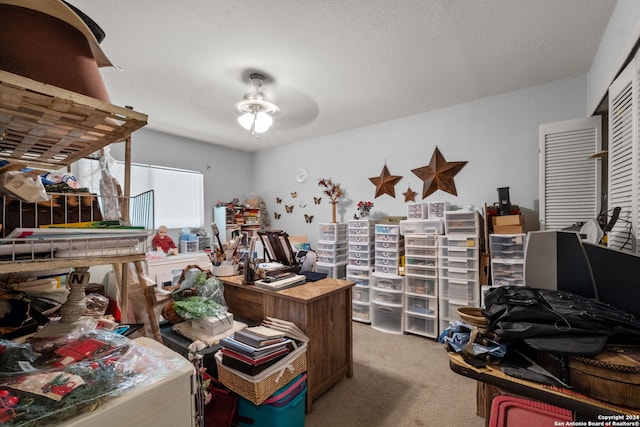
(438, 174)
(409, 195)
(385, 183)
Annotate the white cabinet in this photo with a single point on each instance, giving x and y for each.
(331, 254)
(161, 270)
(361, 256)
(421, 284)
(168, 401)
(387, 302)
(458, 274)
(507, 259)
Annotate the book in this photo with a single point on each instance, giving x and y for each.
(288, 328)
(248, 368)
(254, 340)
(255, 361)
(265, 331)
(251, 351)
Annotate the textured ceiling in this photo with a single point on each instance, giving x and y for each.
(333, 65)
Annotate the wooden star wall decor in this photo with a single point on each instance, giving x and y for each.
(385, 183)
(438, 174)
(409, 195)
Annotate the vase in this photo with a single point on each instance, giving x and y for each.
(333, 212)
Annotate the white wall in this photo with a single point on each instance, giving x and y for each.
(619, 38)
(497, 136)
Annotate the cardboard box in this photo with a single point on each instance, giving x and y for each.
(212, 325)
(507, 220)
(507, 229)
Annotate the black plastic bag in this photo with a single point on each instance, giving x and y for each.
(556, 321)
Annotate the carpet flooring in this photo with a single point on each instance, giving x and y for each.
(398, 381)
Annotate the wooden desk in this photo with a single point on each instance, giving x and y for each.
(322, 310)
(581, 404)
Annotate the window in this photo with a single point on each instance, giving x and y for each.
(178, 193)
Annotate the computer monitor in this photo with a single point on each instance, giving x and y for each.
(616, 276)
(557, 260)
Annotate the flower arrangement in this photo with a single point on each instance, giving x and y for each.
(363, 209)
(334, 192)
(203, 396)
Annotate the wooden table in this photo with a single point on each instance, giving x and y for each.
(322, 310)
(581, 404)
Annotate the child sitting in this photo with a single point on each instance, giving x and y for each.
(164, 243)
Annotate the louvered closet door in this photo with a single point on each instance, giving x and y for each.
(569, 178)
(623, 158)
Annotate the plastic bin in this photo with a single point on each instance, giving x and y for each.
(284, 408)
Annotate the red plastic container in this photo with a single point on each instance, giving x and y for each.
(510, 411)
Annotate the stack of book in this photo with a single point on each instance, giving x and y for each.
(253, 349)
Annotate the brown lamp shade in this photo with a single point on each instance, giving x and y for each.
(47, 49)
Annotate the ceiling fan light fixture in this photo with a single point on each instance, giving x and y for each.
(256, 109)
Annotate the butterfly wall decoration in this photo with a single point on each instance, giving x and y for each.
(288, 208)
(294, 194)
(278, 200)
(317, 200)
(308, 218)
(276, 215)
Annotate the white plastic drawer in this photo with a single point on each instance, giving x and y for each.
(387, 246)
(385, 269)
(361, 239)
(333, 253)
(359, 272)
(387, 237)
(331, 259)
(425, 286)
(361, 232)
(416, 324)
(426, 262)
(507, 246)
(360, 223)
(332, 232)
(420, 251)
(359, 281)
(387, 296)
(386, 318)
(360, 312)
(421, 226)
(448, 310)
(387, 229)
(334, 271)
(459, 273)
(421, 240)
(460, 263)
(459, 290)
(361, 262)
(387, 262)
(421, 305)
(507, 272)
(386, 281)
(416, 210)
(390, 254)
(360, 294)
(361, 247)
(437, 209)
(331, 246)
(361, 254)
(421, 271)
(459, 241)
(458, 252)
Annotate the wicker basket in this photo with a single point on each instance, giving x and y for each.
(259, 388)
